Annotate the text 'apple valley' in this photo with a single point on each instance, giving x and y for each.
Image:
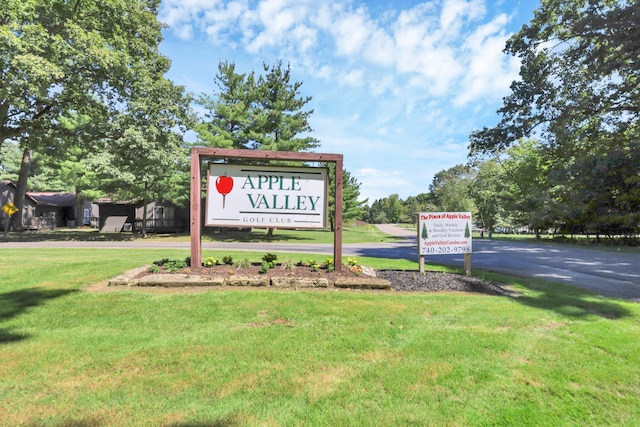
(268, 195)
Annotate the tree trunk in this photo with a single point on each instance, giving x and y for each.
(270, 232)
(21, 190)
(79, 208)
(144, 218)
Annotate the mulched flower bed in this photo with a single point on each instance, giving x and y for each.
(413, 281)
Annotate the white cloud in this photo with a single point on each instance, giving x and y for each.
(273, 22)
(433, 46)
(489, 72)
(352, 77)
(376, 183)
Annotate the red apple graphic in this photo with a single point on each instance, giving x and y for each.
(224, 185)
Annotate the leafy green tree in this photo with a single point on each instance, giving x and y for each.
(488, 191)
(376, 213)
(415, 204)
(579, 93)
(10, 156)
(529, 196)
(451, 189)
(280, 121)
(148, 151)
(71, 55)
(393, 208)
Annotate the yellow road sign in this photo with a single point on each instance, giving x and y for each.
(9, 209)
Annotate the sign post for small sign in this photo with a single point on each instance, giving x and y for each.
(445, 233)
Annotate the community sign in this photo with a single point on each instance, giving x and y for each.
(266, 196)
(441, 233)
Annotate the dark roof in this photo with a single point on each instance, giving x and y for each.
(53, 199)
(109, 201)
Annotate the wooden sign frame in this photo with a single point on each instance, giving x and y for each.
(197, 153)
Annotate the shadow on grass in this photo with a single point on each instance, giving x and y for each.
(65, 235)
(571, 302)
(255, 236)
(13, 304)
(96, 236)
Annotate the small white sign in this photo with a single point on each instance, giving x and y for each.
(441, 233)
(266, 196)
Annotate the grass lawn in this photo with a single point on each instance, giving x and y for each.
(552, 356)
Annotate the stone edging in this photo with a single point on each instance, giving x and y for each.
(129, 278)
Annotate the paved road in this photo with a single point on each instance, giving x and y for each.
(607, 273)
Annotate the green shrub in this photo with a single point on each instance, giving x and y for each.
(266, 266)
(270, 258)
(173, 266)
(227, 260)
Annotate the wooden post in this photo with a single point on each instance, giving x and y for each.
(196, 226)
(467, 264)
(421, 261)
(337, 217)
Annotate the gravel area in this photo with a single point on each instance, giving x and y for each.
(413, 281)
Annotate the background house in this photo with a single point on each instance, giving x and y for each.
(113, 216)
(42, 210)
(162, 217)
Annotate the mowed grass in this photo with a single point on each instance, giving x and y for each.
(552, 356)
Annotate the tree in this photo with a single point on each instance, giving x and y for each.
(450, 189)
(280, 121)
(147, 151)
(488, 192)
(71, 55)
(377, 214)
(352, 207)
(249, 112)
(393, 208)
(415, 204)
(530, 199)
(579, 93)
(228, 118)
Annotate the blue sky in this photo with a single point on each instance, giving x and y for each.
(397, 86)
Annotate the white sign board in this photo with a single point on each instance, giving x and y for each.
(441, 233)
(266, 196)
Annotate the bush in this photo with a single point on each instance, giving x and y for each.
(173, 266)
(266, 266)
(270, 258)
